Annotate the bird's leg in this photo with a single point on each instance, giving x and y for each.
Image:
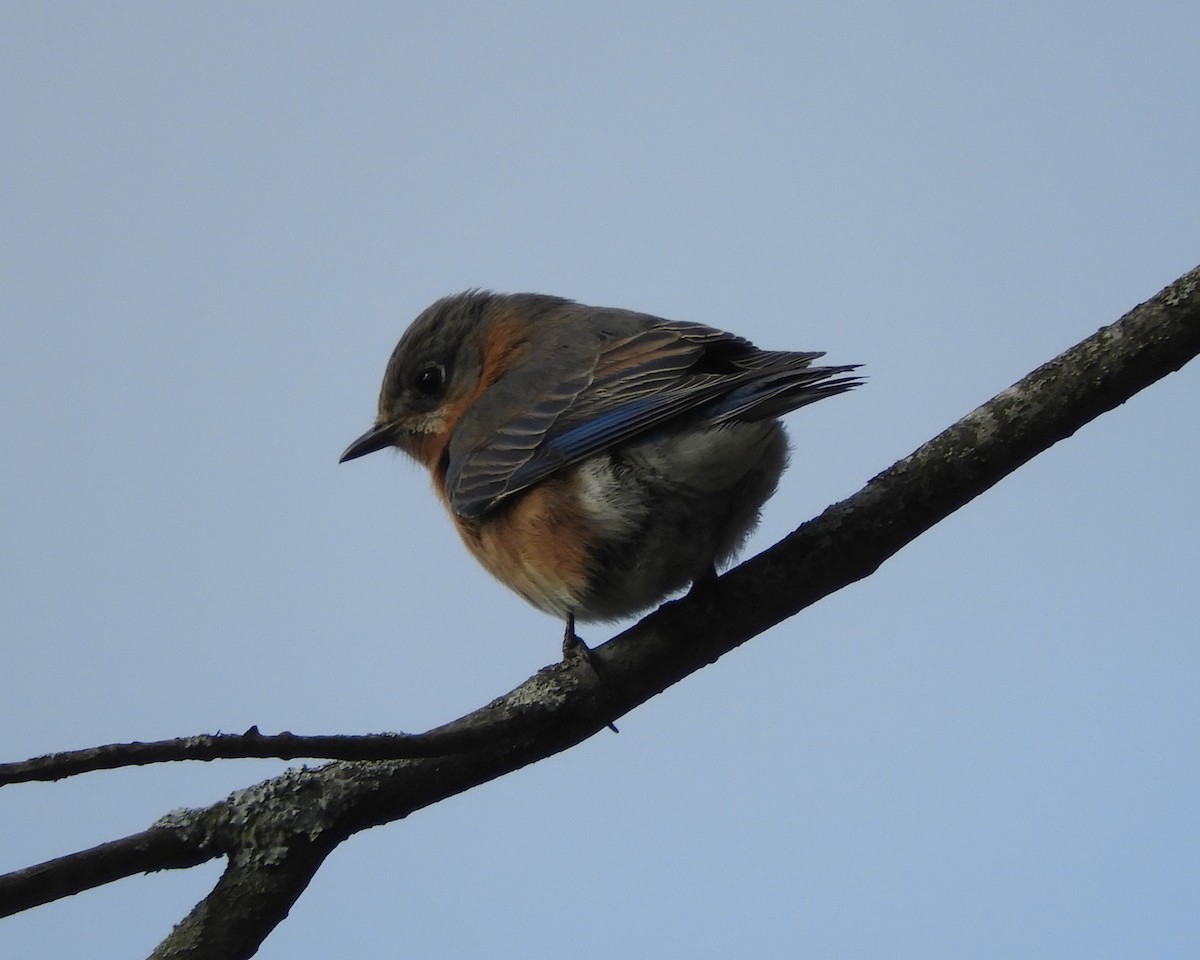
(573, 646)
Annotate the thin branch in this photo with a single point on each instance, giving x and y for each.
(159, 848)
(251, 744)
(852, 538)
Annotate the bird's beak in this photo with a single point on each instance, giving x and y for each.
(379, 436)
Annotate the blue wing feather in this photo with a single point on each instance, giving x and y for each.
(622, 390)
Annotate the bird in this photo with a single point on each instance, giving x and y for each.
(595, 460)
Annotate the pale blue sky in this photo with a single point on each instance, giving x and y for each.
(218, 219)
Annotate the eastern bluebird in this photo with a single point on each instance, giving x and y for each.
(594, 460)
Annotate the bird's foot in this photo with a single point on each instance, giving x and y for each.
(573, 647)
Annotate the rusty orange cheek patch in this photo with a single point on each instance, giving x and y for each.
(503, 343)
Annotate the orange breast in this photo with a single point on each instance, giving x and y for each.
(539, 545)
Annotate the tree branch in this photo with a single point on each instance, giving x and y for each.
(277, 832)
(159, 848)
(251, 744)
(220, 926)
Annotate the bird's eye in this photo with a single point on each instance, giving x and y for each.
(430, 380)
